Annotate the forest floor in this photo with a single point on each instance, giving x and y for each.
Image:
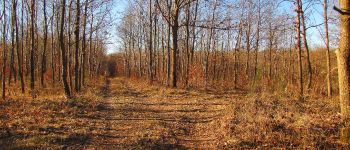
(125, 114)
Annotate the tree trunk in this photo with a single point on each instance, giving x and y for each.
(63, 52)
(150, 67)
(70, 51)
(19, 54)
(329, 84)
(76, 33)
(257, 43)
(83, 58)
(53, 45)
(194, 30)
(169, 56)
(343, 57)
(43, 57)
(12, 57)
(248, 42)
(175, 28)
(4, 53)
(301, 84)
(306, 45)
(187, 43)
(90, 43)
(271, 49)
(32, 51)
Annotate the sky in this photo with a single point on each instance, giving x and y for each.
(313, 34)
(117, 11)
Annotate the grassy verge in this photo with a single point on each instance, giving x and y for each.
(48, 121)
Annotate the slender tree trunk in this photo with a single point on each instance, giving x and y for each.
(206, 59)
(169, 56)
(63, 52)
(4, 53)
(301, 83)
(257, 43)
(309, 83)
(194, 30)
(70, 51)
(76, 32)
(22, 45)
(19, 54)
(163, 54)
(90, 44)
(187, 43)
(12, 57)
(150, 67)
(53, 45)
(175, 28)
(329, 84)
(43, 57)
(139, 47)
(12, 71)
(83, 58)
(271, 37)
(32, 18)
(248, 41)
(236, 57)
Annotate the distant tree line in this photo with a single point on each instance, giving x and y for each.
(52, 42)
(242, 43)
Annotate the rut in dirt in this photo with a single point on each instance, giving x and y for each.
(138, 119)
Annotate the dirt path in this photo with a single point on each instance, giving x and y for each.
(149, 118)
(121, 114)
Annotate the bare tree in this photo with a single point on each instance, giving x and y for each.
(329, 84)
(63, 52)
(19, 54)
(301, 13)
(150, 47)
(32, 51)
(43, 56)
(301, 83)
(76, 33)
(4, 52)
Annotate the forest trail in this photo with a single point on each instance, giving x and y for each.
(148, 118)
(118, 113)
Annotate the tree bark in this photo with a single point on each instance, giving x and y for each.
(4, 53)
(63, 52)
(329, 84)
(343, 57)
(43, 57)
(257, 43)
(150, 69)
(83, 58)
(53, 45)
(12, 57)
(70, 51)
(76, 33)
(301, 84)
(309, 83)
(32, 51)
(19, 54)
(175, 27)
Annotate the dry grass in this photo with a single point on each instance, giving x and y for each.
(130, 114)
(48, 120)
(272, 121)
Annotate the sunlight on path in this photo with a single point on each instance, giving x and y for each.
(134, 119)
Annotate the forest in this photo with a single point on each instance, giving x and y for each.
(175, 74)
